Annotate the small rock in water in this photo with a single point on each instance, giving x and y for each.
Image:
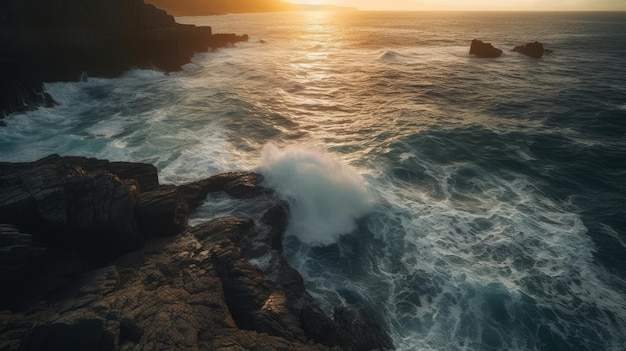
(485, 50)
(534, 50)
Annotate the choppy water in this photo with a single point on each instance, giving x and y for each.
(469, 204)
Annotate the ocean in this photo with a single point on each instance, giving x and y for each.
(466, 203)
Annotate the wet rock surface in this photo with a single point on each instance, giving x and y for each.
(221, 285)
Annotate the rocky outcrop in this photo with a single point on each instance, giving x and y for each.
(81, 204)
(20, 87)
(65, 40)
(534, 49)
(18, 252)
(74, 334)
(485, 50)
(221, 285)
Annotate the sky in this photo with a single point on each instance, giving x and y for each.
(502, 5)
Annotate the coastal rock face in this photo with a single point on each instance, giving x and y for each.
(534, 49)
(221, 285)
(18, 252)
(64, 40)
(68, 206)
(485, 50)
(20, 89)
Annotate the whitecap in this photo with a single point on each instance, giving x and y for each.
(326, 195)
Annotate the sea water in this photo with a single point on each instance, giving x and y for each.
(466, 203)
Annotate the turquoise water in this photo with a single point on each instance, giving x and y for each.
(469, 204)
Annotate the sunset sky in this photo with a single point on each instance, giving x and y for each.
(509, 5)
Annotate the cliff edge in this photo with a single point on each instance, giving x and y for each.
(97, 255)
(66, 40)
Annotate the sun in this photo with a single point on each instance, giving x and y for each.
(309, 2)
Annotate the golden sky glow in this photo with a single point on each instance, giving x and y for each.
(502, 5)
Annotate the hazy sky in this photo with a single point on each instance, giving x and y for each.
(513, 5)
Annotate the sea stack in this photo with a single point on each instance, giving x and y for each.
(534, 49)
(485, 50)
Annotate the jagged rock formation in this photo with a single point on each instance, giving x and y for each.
(485, 50)
(64, 40)
(534, 49)
(221, 285)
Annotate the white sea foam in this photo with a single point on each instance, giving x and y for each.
(326, 195)
(510, 253)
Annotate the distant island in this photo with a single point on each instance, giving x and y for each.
(217, 7)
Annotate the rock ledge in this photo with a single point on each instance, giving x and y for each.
(152, 282)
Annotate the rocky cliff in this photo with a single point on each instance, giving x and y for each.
(98, 255)
(65, 40)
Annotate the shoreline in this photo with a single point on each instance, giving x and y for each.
(103, 250)
(67, 42)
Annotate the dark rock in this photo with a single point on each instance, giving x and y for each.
(103, 208)
(129, 330)
(227, 39)
(194, 193)
(92, 211)
(316, 324)
(220, 285)
(232, 228)
(21, 89)
(270, 297)
(256, 302)
(67, 206)
(236, 184)
(168, 295)
(144, 174)
(161, 212)
(485, 50)
(276, 217)
(358, 332)
(534, 49)
(77, 335)
(67, 40)
(17, 248)
(77, 203)
(101, 38)
(244, 185)
(20, 256)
